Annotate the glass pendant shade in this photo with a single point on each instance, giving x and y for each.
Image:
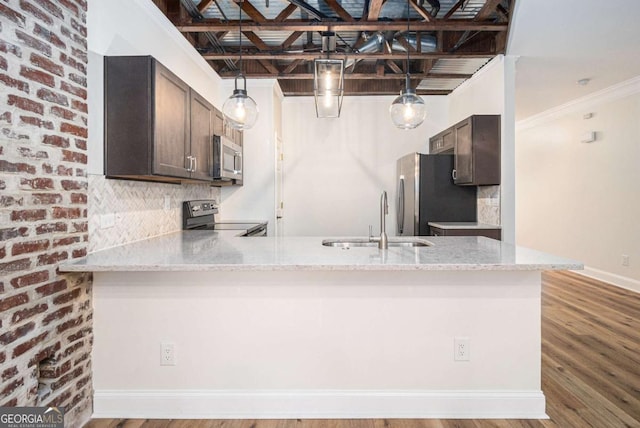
(408, 111)
(240, 110)
(328, 86)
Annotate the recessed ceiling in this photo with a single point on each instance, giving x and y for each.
(561, 42)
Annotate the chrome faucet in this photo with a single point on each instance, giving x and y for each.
(383, 241)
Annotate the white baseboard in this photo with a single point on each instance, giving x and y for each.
(172, 404)
(611, 278)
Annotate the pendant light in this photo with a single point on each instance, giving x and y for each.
(240, 110)
(328, 79)
(408, 111)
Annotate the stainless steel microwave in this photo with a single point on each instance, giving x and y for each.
(227, 159)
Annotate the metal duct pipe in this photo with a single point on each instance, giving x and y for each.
(373, 43)
(428, 42)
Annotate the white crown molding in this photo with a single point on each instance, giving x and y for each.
(612, 93)
(292, 404)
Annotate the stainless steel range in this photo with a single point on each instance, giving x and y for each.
(200, 215)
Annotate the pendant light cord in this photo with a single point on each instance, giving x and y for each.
(240, 37)
(408, 82)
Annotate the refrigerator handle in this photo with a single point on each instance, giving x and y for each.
(400, 215)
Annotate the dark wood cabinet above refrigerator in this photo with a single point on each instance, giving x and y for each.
(475, 144)
(156, 127)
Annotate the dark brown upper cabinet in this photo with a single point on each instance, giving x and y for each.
(442, 143)
(475, 142)
(156, 127)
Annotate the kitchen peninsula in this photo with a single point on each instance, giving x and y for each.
(289, 328)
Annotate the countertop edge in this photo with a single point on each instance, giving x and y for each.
(348, 268)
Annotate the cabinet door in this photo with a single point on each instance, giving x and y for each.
(435, 143)
(218, 122)
(202, 115)
(448, 141)
(463, 153)
(171, 142)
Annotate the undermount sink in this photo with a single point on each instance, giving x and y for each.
(365, 242)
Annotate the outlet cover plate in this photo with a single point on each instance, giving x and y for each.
(461, 349)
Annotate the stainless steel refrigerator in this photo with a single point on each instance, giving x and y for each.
(426, 193)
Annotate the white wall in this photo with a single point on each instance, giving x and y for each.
(138, 27)
(317, 344)
(335, 169)
(581, 200)
(491, 91)
(255, 199)
(137, 210)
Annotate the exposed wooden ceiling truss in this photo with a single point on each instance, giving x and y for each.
(448, 39)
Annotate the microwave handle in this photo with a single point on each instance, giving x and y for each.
(237, 159)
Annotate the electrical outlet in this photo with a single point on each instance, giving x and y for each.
(625, 260)
(167, 354)
(461, 349)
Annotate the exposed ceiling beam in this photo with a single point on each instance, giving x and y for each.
(352, 86)
(486, 10)
(286, 12)
(252, 12)
(405, 44)
(399, 75)
(272, 69)
(375, 6)
(422, 11)
(310, 9)
(204, 5)
(454, 9)
(288, 69)
(312, 55)
(338, 9)
(450, 25)
(291, 39)
(394, 67)
(257, 41)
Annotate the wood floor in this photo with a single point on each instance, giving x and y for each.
(590, 367)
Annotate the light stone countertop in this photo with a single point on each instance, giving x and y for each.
(223, 250)
(462, 225)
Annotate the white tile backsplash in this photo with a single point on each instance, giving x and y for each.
(123, 211)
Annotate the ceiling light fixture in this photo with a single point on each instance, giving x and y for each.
(408, 111)
(328, 80)
(240, 110)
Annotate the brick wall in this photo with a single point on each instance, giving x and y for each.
(45, 317)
